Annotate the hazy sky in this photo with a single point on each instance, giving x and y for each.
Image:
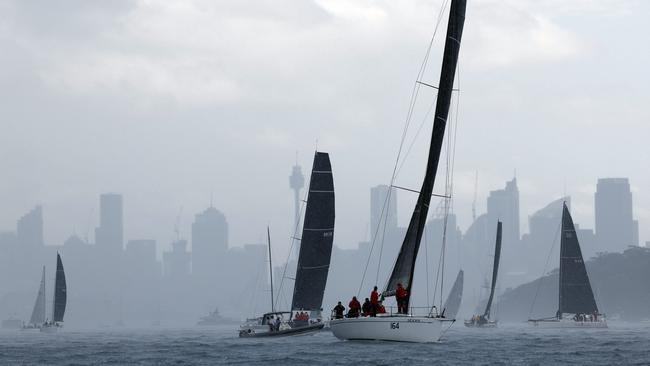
(172, 102)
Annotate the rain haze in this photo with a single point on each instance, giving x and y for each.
(189, 110)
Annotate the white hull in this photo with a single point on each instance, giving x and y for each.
(566, 323)
(417, 329)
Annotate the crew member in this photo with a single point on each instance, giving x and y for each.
(339, 309)
(374, 300)
(366, 308)
(402, 299)
(354, 307)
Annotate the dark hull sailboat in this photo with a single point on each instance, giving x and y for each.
(313, 263)
(60, 299)
(576, 303)
(405, 326)
(484, 320)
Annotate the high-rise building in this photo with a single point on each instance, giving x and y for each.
(209, 242)
(544, 225)
(296, 183)
(383, 211)
(616, 228)
(503, 205)
(177, 262)
(110, 233)
(29, 229)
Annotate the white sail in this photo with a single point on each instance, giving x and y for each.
(38, 314)
(452, 305)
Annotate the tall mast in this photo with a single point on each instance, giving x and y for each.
(404, 267)
(268, 237)
(495, 269)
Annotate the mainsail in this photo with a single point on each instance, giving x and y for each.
(576, 295)
(452, 305)
(38, 314)
(60, 294)
(317, 238)
(404, 267)
(495, 269)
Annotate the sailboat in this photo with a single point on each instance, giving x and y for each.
(59, 301)
(405, 326)
(38, 313)
(576, 297)
(484, 320)
(313, 263)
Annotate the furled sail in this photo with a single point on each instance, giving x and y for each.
(317, 237)
(60, 291)
(452, 305)
(404, 267)
(495, 269)
(576, 295)
(38, 314)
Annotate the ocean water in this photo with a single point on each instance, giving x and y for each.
(621, 344)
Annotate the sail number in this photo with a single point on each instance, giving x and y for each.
(394, 325)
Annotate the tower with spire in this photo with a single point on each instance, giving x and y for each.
(296, 183)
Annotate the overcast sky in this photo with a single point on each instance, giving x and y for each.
(173, 102)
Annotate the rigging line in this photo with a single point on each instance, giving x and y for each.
(414, 95)
(426, 266)
(541, 278)
(293, 240)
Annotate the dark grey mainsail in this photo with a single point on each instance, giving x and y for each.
(495, 270)
(317, 238)
(576, 295)
(404, 267)
(60, 291)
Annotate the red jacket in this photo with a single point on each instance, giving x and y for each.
(401, 293)
(354, 304)
(374, 297)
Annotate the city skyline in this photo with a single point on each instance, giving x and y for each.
(116, 115)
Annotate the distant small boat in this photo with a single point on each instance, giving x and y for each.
(214, 318)
(484, 320)
(60, 299)
(576, 296)
(313, 263)
(12, 323)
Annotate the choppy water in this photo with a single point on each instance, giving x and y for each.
(507, 345)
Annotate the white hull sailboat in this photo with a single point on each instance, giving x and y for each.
(59, 302)
(401, 328)
(576, 304)
(407, 327)
(313, 263)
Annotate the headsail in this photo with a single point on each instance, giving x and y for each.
(576, 295)
(452, 305)
(495, 269)
(38, 314)
(404, 267)
(60, 291)
(317, 238)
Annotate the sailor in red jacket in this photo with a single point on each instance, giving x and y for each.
(354, 308)
(401, 295)
(374, 301)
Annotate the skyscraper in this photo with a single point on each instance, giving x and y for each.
(503, 205)
(110, 233)
(296, 183)
(616, 228)
(209, 242)
(29, 229)
(382, 212)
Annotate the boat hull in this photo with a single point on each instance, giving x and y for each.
(391, 328)
(471, 324)
(263, 331)
(567, 323)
